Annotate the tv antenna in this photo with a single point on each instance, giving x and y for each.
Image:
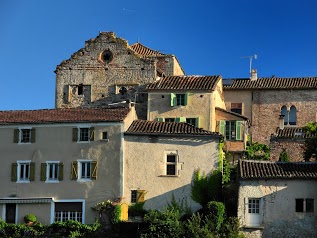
(250, 57)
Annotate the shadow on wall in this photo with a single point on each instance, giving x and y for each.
(181, 195)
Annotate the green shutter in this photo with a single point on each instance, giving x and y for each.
(75, 134)
(197, 122)
(94, 168)
(14, 169)
(32, 171)
(43, 171)
(92, 133)
(222, 127)
(74, 173)
(60, 171)
(238, 130)
(16, 136)
(32, 135)
(186, 99)
(161, 119)
(173, 99)
(180, 119)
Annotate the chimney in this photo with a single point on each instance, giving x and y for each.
(254, 75)
(281, 121)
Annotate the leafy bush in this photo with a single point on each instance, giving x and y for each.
(257, 151)
(206, 188)
(163, 224)
(30, 218)
(198, 226)
(283, 156)
(230, 228)
(216, 212)
(181, 206)
(137, 209)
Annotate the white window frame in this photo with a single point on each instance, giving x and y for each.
(79, 134)
(79, 170)
(56, 165)
(21, 135)
(20, 163)
(173, 153)
(53, 213)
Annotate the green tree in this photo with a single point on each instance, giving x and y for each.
(311, 141)
(257, 151)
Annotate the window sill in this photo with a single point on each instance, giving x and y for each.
(24, 143)
(52, 181)
(104, 140)
(173, 176)
(83, 142)
(84, 180)
(23, 181)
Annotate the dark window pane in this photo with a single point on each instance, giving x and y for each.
(299, 203)
(309, 205)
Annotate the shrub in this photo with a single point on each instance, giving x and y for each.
(197, 227)
(283, 156)
(163, 224)
(257, 151)
(216, 212)
(30, 218)
(137, 209)
(206, 188)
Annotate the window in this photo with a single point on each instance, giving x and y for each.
(304, 205)
(83, 134)
(84, 170)
(23, 171)
(254, 206)
(178, 99)
(193, 121)
(65, 211)
(232, 130)
(104, 135)
(137, 196)
(289, 116)
(169, 119)
(171, 165)
(236, 107)
(24, 135)
(52, 171)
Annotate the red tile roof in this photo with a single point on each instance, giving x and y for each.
(172, 83)
(63, 115)
(274, 83)
(167, 128)
(145, 51)
(250, 169)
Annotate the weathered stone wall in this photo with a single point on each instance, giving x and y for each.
(109, 71)
(266, 108)
(293, 148)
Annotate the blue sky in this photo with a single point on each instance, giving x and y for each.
(208, 37)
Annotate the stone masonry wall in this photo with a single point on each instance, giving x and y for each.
(267, 105)
(294, 149)
(118, 76)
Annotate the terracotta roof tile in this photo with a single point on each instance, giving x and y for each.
(185, 82)
(274, 83)
(291, 133)
(167, 128)
(145, 51)
(63, 115)
(250, 169)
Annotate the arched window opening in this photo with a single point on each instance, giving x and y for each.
(285, 114)
(292, 115)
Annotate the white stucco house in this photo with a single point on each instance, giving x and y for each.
(160, 159)
(274, 196)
